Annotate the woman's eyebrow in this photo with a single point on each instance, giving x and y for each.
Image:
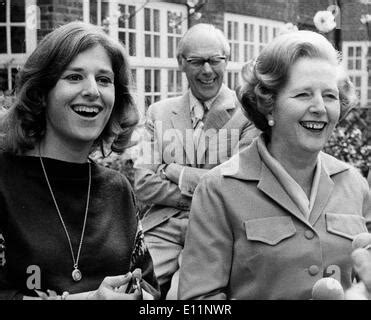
(78, 69)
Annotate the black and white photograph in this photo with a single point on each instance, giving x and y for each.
(173, 151)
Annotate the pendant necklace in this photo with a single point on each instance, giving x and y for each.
(76, 273)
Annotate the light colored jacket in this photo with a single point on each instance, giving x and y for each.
(248, 240)
(168, 141)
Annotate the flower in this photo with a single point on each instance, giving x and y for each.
(288, 27)
(324, 21)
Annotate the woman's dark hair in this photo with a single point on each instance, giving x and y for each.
(269, 72)
(24, 124)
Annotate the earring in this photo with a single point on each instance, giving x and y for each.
(270, 121)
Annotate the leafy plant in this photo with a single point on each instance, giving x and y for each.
(350, 141)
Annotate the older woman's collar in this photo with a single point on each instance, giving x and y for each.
(247, 165)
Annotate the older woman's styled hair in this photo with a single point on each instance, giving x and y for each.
(24, 124)
(269, 73)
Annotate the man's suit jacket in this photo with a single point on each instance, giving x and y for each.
(168, 141)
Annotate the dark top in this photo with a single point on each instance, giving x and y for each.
(34, 235)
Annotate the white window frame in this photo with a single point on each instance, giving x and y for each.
(267, 24)
(362, 73)
(140, 62)
(11, 60)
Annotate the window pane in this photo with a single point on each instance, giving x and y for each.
(236, 52)
(17, 11)
(245, 32)
(179, 81)
(350, 65)
(170, 81)
(251, 32)
(170, 47)
(147, 19)
(132, 44)
(132, 22)
(157, 98)
(350, 51)
(122, 18)
(104, 11)
(229, 29)
(157, 83)
(359, 51)
(147, 101)
(14, 75)
(3, 80)
(122, 37)
(358, 64)
(235, 35)
(93, 11)
(156, 18)
(147, 80)
(2, 10)
(358, 81)
(2, 39)
(18, 40)
(134, 78)
(157, 46)
(147, 45)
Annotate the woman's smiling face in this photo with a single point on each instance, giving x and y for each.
(80, 104)
(307, 108)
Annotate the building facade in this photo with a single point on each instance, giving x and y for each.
(151, 30)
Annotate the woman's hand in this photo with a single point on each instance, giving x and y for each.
(114, 288)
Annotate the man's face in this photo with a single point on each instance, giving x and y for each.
(205, 79)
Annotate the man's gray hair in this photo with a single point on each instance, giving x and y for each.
(207, 28)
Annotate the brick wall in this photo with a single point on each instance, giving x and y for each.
(58, 12)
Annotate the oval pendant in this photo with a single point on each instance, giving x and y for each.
(76, 275)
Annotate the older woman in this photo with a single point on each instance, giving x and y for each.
(70, 225)
(281, 215)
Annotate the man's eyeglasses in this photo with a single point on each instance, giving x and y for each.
(199, 62)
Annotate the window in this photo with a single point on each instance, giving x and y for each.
(151, 32)
(152, 81)
(99, 12)
(174, 32)
(263, 37)
(248, 39)
(355, 58)
(368, 63)
(248, 35)
(174, 83)
(233, 79)
(12, 26)
(127, 27)
(7, 82)
(233, 39)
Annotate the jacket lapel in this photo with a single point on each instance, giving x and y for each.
(218, 116)
(330, 166)
(182, 123)
(272, 188)
(247, 165)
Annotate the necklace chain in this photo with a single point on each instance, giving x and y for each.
(75, 261)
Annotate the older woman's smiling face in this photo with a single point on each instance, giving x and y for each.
(307, 108)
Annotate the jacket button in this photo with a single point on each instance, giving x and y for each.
(309, 234)
(313, 270)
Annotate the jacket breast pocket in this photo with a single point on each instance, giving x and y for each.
(270, 230)
(345, 225)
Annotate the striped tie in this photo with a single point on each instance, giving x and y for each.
(198, 126)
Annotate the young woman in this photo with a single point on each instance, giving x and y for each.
(70, 225)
